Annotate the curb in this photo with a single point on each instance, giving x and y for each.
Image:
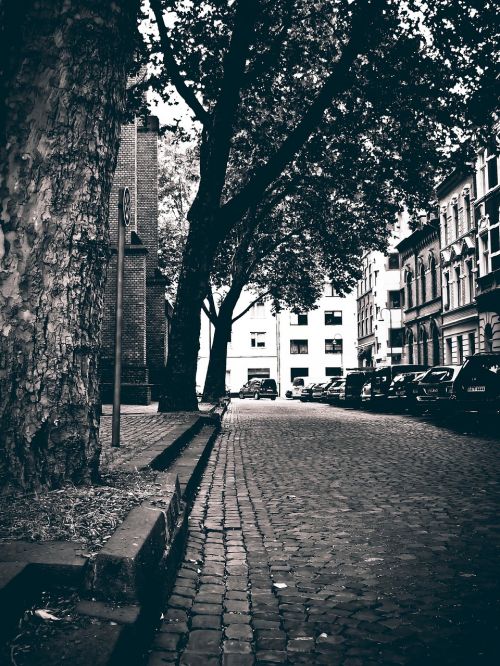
(133, 574)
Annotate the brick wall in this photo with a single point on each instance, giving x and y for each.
(143, 337)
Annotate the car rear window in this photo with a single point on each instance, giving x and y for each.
(491, 363)
(269, 384)
(439, 375)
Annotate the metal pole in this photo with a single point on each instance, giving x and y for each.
(123, 218)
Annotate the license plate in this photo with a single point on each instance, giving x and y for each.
(432, 390)
(476, 389)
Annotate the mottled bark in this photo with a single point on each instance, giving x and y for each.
(65, 83)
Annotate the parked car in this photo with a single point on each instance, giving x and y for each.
(355, 381)
(259, 388)
(436, 387)
(477, 387)
(365, 396)
(336, 392)
(402, 393)
(297, 386)
(306, 393)
(382, 378)
(318, 391)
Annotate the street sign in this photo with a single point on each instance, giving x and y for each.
(124, 204)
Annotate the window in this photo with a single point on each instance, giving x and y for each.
(298, 372)
(484, 254)
(258, 340)
(449, 350)
(333, 317)
(396, 337)
(409, 293)
(488, 338)
(472, 344)
(394, 299)
(409, 342)
(298, 319)
(299, 347)
(329, 290)
(458, 288)
(333, 346)
(258, 311)
(467, 211)
(446, 291)
(423, 284)
(393, 261)
(470, 281)
(433, 271)
(460, 349)
(487, 172)
(444, 227)
(424, 338)
(333, 372)
(258, 373)
(454, 217)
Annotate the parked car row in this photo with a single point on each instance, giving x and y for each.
(473, 386)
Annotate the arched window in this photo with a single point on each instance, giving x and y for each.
(409, 292)
(424, 346)
(409, 342)
(423, 285)
(435, 345)
(433, 272)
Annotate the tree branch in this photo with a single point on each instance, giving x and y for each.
(211, 318)
(361, 41)
(172, 67)
(218, 139)
(259, 298)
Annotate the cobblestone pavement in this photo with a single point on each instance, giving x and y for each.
(322, 535)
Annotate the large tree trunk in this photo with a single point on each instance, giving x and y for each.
(179, 385)
(215, 381)
(65, 84)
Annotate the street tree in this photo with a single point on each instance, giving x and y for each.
(263, 80)
(63, 96)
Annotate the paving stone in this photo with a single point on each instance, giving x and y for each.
(382, 527)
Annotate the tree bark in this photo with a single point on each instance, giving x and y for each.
(65, 88)
(179, 385)
(215, 381)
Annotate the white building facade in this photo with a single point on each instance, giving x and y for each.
(379, 325)
(317, 344)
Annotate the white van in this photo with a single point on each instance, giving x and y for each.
(299, 383)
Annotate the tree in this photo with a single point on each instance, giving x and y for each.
(264, 80)
(62, 102)
(307, 230)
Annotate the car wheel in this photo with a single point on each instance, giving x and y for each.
(241, 395)
(256, 396)
(273, 398)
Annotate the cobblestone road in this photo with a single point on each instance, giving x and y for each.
(322, 535)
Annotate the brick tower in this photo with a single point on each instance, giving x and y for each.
(144, 325)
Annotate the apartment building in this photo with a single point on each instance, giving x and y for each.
(486, 205)
(458, 267)
(379, 324)
(420, 284)
(317, 344)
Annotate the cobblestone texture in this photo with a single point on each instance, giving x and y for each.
(327, 536)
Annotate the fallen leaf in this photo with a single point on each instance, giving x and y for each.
(45, 615)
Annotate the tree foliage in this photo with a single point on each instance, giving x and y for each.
(275, 85)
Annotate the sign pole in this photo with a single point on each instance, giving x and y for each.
(123, 221)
